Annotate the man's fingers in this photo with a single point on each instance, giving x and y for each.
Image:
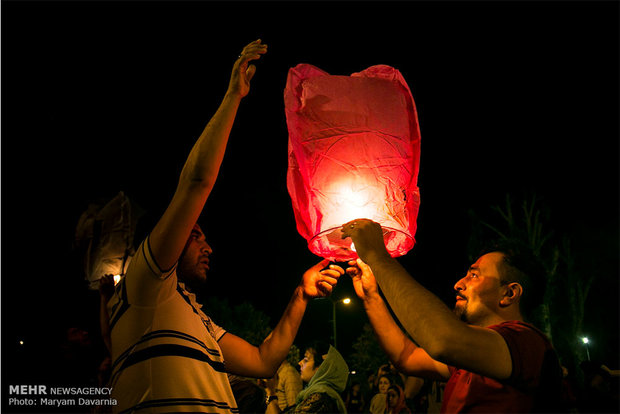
(320, 265)
(330, 275)
(352, 271)
(250, 72)
(337, 268)
(332, 272)
(363, 266)
(325, 287)
(328, 279)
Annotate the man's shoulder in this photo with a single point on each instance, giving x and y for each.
(519, 327)
(144, 265)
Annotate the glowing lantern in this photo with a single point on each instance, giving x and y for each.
(354, 151)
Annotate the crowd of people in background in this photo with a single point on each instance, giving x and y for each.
(83, 362)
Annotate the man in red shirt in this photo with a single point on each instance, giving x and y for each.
(492, 359)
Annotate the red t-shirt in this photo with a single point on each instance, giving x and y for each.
(533, 386)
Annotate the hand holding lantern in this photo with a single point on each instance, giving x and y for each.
(317, 283)
(367, 237)
(364, 281)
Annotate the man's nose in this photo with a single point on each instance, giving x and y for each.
(460, 285)
(206, 248)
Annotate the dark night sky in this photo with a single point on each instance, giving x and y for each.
(101, 97)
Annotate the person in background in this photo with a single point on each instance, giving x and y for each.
(354, 400)
(493, 360)
(289, 385)
(325, 372)
(378, 404)
(396, 401)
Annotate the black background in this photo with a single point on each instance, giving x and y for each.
(98, 97)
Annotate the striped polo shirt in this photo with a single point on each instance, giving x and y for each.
(165, 353)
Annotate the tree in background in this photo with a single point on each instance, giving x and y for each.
(243, 320)
(367, 354)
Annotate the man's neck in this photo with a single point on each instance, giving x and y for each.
(497, 319)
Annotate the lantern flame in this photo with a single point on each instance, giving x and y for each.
(348, 202)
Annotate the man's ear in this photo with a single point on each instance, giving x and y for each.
(512, 294)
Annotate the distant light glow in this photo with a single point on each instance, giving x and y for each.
(353, 372)
(21, 342)
(346, 301)
(585, 340)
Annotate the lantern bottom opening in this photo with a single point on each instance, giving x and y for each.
(330, 244)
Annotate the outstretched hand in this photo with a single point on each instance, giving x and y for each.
(317, 283)
(364, 281)
(367, 237)
(243, 71)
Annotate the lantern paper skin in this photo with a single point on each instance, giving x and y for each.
(353, 152)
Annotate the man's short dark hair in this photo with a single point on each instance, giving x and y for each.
(522, 266)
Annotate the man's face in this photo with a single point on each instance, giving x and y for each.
(194, 263)
(478, 293)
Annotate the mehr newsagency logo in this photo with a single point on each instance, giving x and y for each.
(44, 396)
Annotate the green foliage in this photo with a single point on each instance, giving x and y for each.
(243, 320)
(294, 356)
(367, 356)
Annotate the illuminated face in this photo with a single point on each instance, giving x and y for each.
(384, 384)
(392, 397)
(194, 262)
(478, 294)
(307, 366)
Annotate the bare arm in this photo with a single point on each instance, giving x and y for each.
(200, 171)
(403, 353)
(425, 317)
(263, 361)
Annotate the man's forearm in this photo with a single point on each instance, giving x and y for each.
(204, 161)
(197, 178)
(391, 338)
(276, 346)
(426, 318)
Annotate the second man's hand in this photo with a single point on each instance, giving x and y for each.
(367, 236)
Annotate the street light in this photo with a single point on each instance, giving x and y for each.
(586, 341)
(346, 301)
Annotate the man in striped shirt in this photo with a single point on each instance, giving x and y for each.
(168, 356)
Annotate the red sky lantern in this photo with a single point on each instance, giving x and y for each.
(353, 152)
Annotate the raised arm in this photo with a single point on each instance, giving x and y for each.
(263, 361)
(200, 171)
(424, 316)
(404, 354)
